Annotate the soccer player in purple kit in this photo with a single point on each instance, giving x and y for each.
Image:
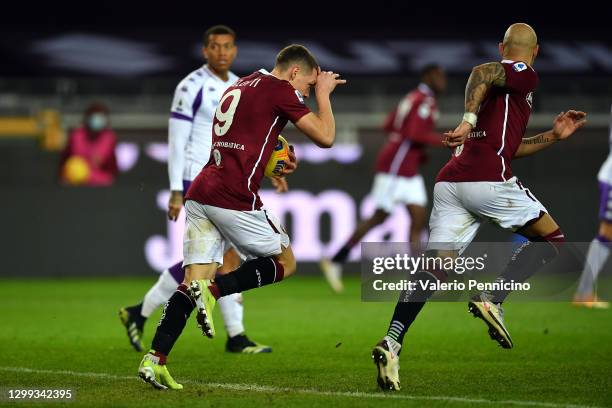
(223, 205)
(477, 185)
(599, 249)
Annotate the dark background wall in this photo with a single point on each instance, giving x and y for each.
(48, 229)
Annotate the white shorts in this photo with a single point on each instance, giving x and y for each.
(389, 190)
(605, 172)
(459, 209)
(210, 231)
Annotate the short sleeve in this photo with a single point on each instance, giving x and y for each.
(291, 104)
(186, 102)
(520, 77)
(420, 120)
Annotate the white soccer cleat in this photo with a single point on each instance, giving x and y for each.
(387, 363)
(333, 273)
(493, 315)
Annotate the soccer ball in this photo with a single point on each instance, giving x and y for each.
(278, 158)
(76, 170)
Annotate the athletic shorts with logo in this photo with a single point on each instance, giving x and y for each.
(210, 231)
(459, 208)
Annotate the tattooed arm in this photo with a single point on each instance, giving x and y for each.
(481, 79)
(564, 125)
(531, 145)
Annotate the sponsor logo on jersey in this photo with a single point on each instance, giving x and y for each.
(299, 96)
(217, 157)
(211, 89)
(229, 145)
(519, 66)
(477, 134)
(184, 89)
(458, 150)
(529, 99)
(424, 110)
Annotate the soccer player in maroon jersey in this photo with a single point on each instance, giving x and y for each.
(411, 127)
(189, 141)
(477, 185)
(223, 205)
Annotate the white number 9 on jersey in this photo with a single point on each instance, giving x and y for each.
(226, 117)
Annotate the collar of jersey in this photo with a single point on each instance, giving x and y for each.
(425, 89)
(212, 74)
(512, 62)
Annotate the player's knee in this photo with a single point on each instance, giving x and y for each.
(287, 260)
(231, 262)
(199, 271)
(605, 230)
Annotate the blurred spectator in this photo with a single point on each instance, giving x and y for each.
(89, 156)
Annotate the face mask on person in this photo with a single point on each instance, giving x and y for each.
(97, 121)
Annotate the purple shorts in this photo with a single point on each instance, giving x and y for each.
(186, 184)
(605, 202)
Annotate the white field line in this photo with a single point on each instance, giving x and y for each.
(280, 390)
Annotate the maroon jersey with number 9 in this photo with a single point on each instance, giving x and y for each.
(249, 118)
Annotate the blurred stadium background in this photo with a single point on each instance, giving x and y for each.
(110, 242)
(50, 75)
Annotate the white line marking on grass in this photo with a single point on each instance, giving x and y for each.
(280, 390)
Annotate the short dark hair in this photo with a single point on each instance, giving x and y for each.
(218, 29)
(428, 69)
(293, 54)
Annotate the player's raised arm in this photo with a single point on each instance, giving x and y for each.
(482, 78)
(321, 127)
(564, 125)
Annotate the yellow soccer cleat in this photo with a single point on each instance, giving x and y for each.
(205, 303)
(156, 374)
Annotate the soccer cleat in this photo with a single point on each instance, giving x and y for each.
(333, 273)
(134, 333)
(156, 374)
(493, 315)
(242, 344)
(387, 363)
(590, 302)
(205, 303)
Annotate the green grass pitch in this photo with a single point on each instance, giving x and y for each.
(66, 334)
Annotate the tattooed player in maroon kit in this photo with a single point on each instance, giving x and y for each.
(223, 205)
(477, 185)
